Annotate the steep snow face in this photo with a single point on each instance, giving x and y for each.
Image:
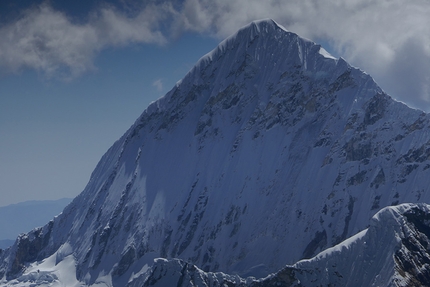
(267, 152)
(393, 251)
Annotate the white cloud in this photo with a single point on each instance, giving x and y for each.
(390, 39)
(46, 40)
(158, 84)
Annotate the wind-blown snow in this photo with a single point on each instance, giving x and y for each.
(326, 54)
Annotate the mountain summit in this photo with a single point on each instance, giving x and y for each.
(267, 152)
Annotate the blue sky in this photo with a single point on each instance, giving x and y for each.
(54, 132)
(74, 77)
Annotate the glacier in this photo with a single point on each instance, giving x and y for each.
(268, 152)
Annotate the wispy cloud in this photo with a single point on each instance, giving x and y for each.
(158, 84)
(390, 39)
(46, 40)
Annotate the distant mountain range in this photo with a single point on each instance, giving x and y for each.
(25, 216)
(270, 159)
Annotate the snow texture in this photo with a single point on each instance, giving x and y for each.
(373, 257)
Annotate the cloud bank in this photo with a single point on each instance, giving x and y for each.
(390, 39)
(48, 41)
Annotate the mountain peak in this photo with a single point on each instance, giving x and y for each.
(260, 48)
(263, 26)
(264, 31)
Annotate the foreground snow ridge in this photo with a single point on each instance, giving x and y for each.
(267, 153)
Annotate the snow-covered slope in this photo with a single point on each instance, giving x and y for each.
(267, 152)
(392, 251)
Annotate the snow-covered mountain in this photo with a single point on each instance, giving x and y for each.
(267, 152)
